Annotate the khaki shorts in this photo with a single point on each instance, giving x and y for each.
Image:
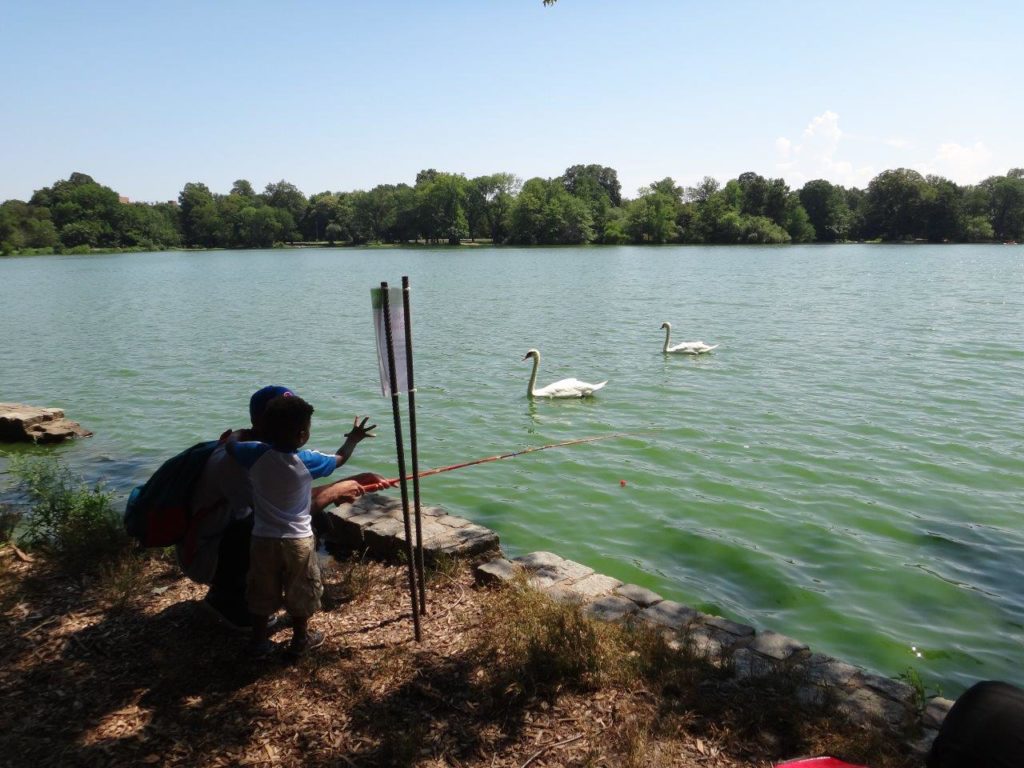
(284, 572)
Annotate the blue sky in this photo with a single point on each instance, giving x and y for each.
(147, 96)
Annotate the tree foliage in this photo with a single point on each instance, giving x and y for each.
(583, 205)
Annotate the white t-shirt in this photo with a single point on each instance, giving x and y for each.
(281, 485)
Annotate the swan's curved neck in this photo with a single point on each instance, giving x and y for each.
(533, 376)
(668, 332)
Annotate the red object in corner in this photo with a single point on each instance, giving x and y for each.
(819, 762)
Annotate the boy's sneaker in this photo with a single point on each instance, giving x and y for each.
(312, 640)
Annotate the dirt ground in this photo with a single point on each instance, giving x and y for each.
(94, 676)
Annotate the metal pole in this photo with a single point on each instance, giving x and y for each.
(400, 445)
(412, 445)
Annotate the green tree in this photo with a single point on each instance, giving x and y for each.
(584, 181)
(81, 201)
(443, 198)
(149, 226)
(759, 230)
(265, 225)
(894, 205)
(704, 190)
(374, 213)
(763, 197)
(942, 209)
(286, 197)
(1006, 204)
(797, 222)
(334, 232)
(323, 209)
(651, 218)
(545, 213)
(26, 226)
(825, 204)
(242, 188)
(199, 219)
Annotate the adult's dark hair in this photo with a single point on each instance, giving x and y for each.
(284, 419)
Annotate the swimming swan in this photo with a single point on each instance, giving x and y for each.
(563, 388)
(687, 347)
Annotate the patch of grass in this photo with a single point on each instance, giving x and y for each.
(912, 677)
(121, 581)
(538, 645)
(671, 661)
(355, 579)
(67, 518)
(631, 740)
(8, 520)
(442, 568)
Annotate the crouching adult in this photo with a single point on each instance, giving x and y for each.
(216, 549)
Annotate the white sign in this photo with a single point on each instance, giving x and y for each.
(396, 311)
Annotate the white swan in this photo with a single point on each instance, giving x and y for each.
(563, 388)
(686, 347)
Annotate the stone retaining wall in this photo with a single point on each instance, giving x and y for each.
(375, 523)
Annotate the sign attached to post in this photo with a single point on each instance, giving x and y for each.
(396, 312)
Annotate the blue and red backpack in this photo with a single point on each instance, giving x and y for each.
(158, 513)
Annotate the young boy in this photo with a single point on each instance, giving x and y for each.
(283, 558)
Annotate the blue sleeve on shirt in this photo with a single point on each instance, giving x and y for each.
(318, 464)
(247, 453)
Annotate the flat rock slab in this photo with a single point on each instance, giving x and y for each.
(935, 712)
(776, 646)
(497, 571)
(27, 423)
(375, 522)
(642, 596)
(548, 571)
(611, 608)
(727, 626)
(828, 672)
(669, 613)
(864, 706)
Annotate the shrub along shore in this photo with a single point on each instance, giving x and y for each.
(583, 205)
(108, 660)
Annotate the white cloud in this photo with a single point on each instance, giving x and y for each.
(825, 151)
(815, 155)
(964, 165)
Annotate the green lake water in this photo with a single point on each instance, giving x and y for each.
(846, 468)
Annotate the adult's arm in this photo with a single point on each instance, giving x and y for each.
(342, 491)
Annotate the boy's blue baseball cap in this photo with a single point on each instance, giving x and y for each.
(260, 398)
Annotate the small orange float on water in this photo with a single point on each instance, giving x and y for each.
(622, 483)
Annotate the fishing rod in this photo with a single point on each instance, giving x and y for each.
(380, 486)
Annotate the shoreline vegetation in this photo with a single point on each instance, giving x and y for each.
(108, 659)
(583, 206)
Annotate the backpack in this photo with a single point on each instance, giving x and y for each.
(158, 513)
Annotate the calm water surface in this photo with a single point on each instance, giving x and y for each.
(846, 468)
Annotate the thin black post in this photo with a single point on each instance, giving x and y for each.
(392, 378)
(412, 445)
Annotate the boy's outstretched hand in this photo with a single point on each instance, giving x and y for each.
(360, 430)
(359, 433)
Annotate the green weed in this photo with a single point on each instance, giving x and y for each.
(73, 521)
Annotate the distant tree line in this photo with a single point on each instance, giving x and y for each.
(583, 205)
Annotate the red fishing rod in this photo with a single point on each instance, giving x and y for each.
(380, 486)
